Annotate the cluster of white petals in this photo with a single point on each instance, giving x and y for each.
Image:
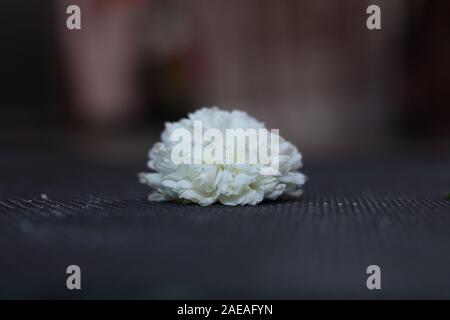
(229, 184)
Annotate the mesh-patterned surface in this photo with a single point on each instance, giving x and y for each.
(62, 210)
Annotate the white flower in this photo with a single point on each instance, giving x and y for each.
(229, 184)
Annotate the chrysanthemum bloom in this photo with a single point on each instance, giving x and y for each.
(210, 180)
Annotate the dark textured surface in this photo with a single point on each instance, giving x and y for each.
(388, 211)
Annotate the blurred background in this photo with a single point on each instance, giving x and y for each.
(80, 109)
(308, 67)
